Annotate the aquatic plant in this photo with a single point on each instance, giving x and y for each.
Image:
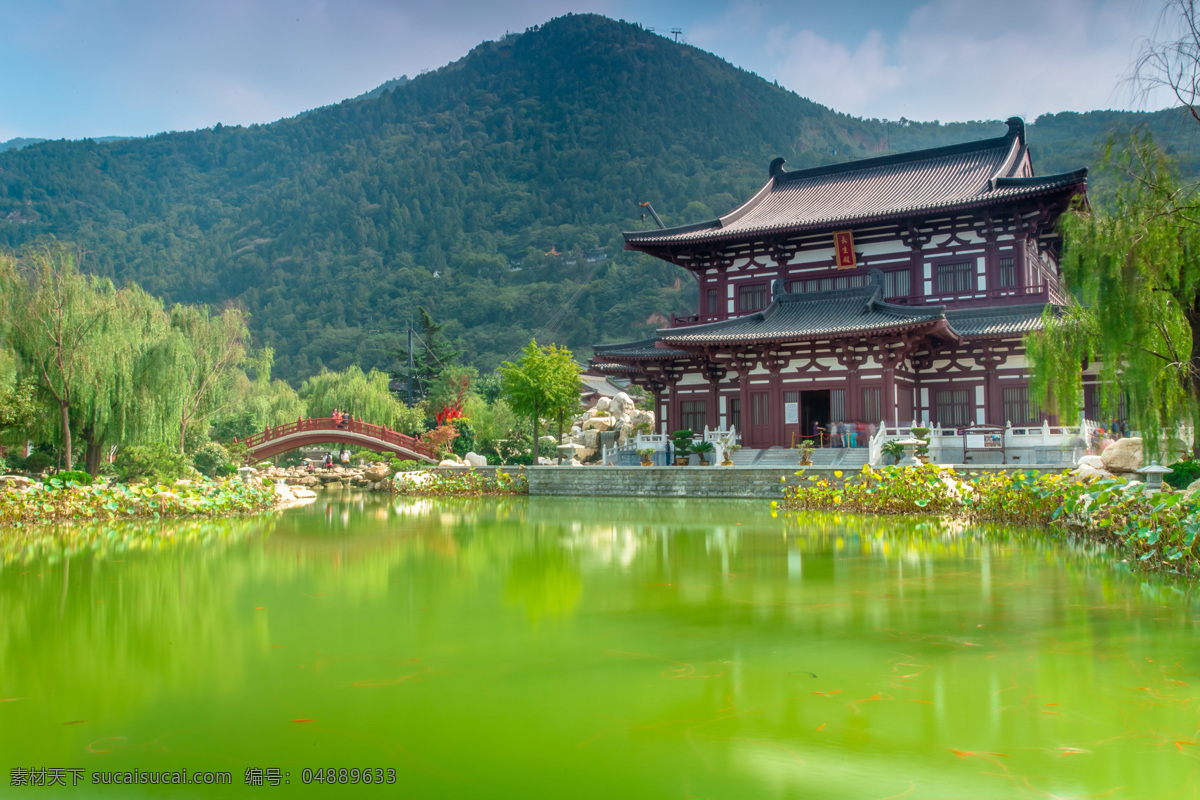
(1158, 530)
(465, 482)
(56, 501)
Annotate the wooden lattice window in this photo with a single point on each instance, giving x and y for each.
(761, 402)
(952, 408)
(1007, 278)
(693, 415)
(711, 301)
(956, 278)
(897, 284)
(1019, 408)
(872, 403)
(752, 297)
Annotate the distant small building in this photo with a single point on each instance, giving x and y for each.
(886, 289)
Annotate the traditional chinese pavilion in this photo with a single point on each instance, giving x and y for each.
(886, 289)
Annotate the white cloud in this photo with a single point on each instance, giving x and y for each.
(956, 60)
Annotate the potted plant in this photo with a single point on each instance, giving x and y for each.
(922, 451)
(894, 449)
(806, 449)
(729, 451)
(682, 442)
(647, 455)
(702, 449)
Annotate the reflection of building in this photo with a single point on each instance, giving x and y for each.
(889, 289)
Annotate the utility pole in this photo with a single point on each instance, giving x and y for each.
(410, 363)
(676, 32)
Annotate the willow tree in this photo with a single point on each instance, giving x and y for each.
(365, 395)
(131, 392)
(54, 313)
(1132, 264)
(207, 351)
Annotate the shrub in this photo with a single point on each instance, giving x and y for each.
(407, 465)
(37, 462)
(1185, 473)
(211, 459)
(159, 463)
(74, 476)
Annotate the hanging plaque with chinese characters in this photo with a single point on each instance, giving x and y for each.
(843, 243)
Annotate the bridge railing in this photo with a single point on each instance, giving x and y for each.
(380, 432)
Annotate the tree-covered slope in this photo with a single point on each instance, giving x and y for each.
(456, 191)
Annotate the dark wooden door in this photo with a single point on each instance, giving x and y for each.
(760, 419)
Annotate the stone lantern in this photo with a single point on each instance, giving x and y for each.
(1154, 474)
(910, 446)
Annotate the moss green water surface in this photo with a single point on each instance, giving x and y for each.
(574, 648)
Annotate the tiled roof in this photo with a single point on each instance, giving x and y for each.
(964, 175)
(645, 349)
(796, 317)
(1003, 321)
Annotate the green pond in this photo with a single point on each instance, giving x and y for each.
(579, 648)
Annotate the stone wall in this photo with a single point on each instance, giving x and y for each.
(758, 482)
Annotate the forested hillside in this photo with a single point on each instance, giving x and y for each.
(459, 189)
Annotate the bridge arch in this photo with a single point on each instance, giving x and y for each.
(307, 432)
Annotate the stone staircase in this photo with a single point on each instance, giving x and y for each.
(850, 458)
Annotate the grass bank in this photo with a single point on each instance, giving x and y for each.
(55, 501)
(1157, 531)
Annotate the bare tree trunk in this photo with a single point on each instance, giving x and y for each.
(1193, 319)
(536, 454)
(65, 408)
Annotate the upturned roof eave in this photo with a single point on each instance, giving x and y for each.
(933, 324)
(819, 226)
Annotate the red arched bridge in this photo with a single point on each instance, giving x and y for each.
(305, 432)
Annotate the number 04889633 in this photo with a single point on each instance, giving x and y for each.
(337, 775)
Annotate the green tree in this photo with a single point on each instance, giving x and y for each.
(207, 351)
(544, 382)
(432, 354)
(1132, 263)
(364, 395)
(55, 315)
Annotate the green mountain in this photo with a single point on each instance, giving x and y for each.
(492, 192)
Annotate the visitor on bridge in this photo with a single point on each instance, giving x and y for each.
(345, 421)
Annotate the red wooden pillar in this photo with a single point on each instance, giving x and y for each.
(776, 407)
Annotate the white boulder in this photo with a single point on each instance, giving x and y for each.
(1095, 462)
(621, 404)
(1123, 455)
(603, 404)
(475, 460)
(450, 462)
(599, 424)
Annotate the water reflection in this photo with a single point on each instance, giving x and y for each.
(708, 649)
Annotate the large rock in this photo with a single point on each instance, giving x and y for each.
(603, 404)
(1123, 455)
(378, 473)
(475, 460)
(626, 432)
(18, 482)
(545, 462)
(621, 405)
(599, 424)
(591, 439)
(301, 493)
(450, 462)
(329, 477)
(1095, 462)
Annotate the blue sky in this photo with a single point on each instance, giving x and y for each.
(75, 68)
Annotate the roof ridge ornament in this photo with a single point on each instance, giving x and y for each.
(776, 169)
(1016, 128)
